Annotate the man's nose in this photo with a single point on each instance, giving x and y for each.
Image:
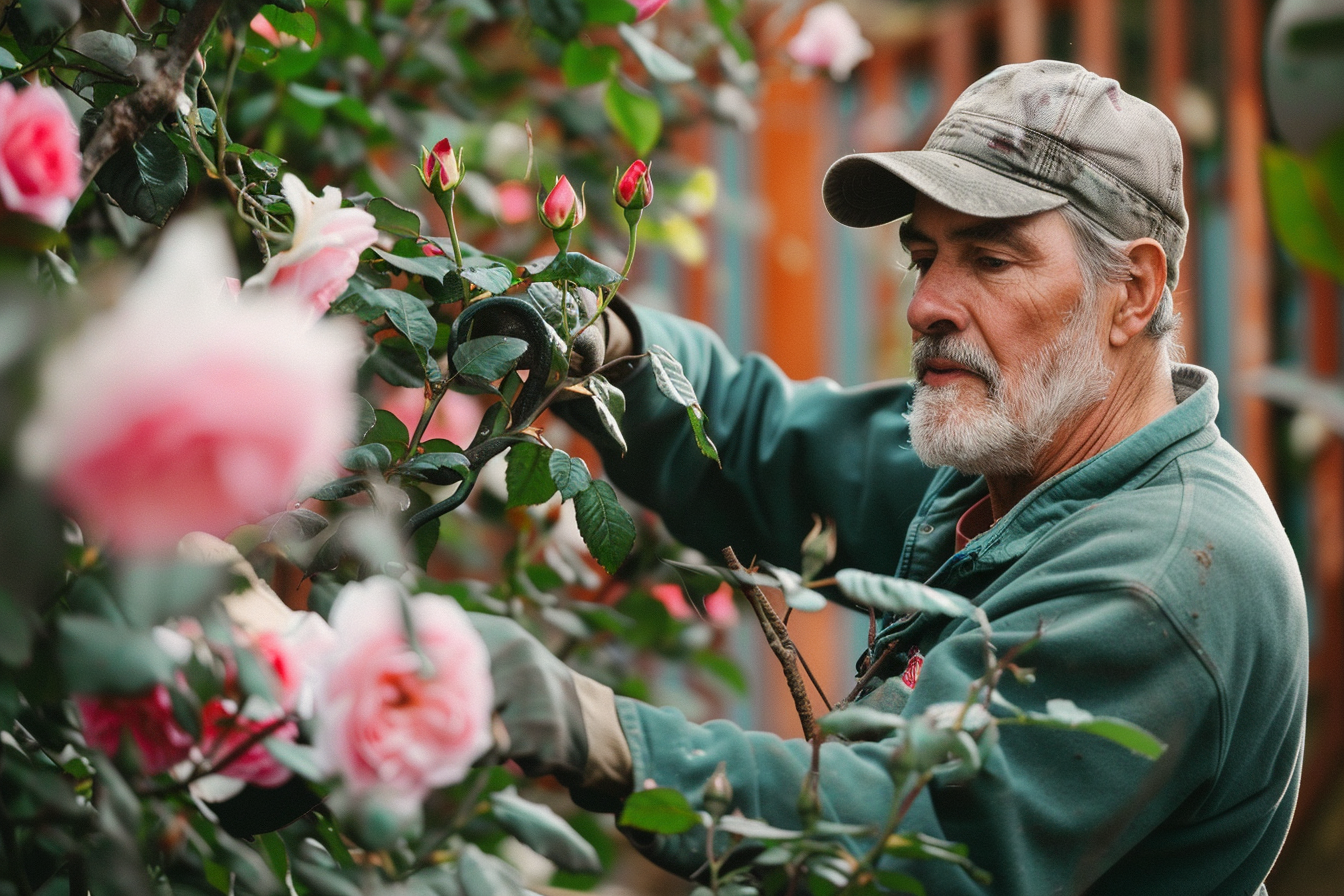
(935, 308)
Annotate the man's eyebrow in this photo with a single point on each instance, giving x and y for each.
(1004, 231)
(909, 233)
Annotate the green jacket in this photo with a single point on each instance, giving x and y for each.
(1167, 590)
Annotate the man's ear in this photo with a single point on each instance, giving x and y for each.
(1142, 291)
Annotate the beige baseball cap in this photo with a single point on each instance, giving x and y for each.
(1024, 139)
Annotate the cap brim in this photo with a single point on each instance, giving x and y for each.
(867, 189)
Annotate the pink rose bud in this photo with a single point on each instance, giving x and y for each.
(440, 169)
(147, 719)
(634, 189)
(324, 251)
(562, 208)
(224, 732)
(432, 249)
(388, 721)
(39, 154)
(645, 9)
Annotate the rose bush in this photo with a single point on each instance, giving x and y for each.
(39, 154)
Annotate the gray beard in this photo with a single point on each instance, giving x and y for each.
(1005, 434)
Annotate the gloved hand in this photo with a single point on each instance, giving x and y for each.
(537, 700)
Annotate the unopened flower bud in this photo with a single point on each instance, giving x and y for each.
(440, 167)
(562, 208)
(634, 189)
(718, 793)
(432, 249)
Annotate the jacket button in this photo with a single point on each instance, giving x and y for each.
(926, 529)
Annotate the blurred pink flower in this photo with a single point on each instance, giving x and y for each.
(455, 419)
(325, 249)
(224, 730)
(39, 154)
(515, 202)
(147, 718)
(177, 411)
(830, 39)
(720, 610)
(262, 26)
(645, 9)
(392, 728)
(294, 657)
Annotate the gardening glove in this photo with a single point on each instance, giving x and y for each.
(557, 721)
(615, 334)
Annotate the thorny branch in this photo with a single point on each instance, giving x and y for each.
(126, 120)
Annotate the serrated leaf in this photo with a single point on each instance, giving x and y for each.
(893, 595)
(101, 657)
(610, 403)
(541, 829)
(661, 810)
(570, 474)
(147, 179)
(436, 467)
(392, 218)
(433, 266)
(635, 117)
(702, 439)
(578, 269)
(527, 474)
(670, 378)
(488, 358)
(490, 276)
(412, 320)
(659, 63)
(604, 524)
(861, 723)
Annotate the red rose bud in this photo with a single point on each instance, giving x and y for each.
(634, 189)
(439, 167)
(430, 249)
(562, 208)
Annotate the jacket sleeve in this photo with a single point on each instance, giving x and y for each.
(1050, 811)
(789, 450)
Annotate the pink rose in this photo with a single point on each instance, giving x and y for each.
(515, 202)
(325, 249)
(645, 9)
(393, 728)
(39, 154)
(720, 610)
(148, 720)
(294, 658)
(830, 39)
(562, 208)
(224, 730)
(455, 419)
(177, 411)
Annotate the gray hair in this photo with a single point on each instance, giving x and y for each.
(1104, 258)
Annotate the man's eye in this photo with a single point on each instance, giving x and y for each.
(921, 264)
(991, 263)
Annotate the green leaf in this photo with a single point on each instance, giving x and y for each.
(570, 474)
(609, 12)
(900, 882)
(341, 488)
(116, 51)
(301, 759)
(1061, 713)
(295, 23)
(528, 475)
(635, 117)
(1305, 220)
(661, 810)
(433, 266)
(670, 378)
(662, 65)
(490, 276)
(861, 723)
(388, 430)
(392, 218)
(579, 269)
(562, 18)
(610, 403)
(488, 358)
(541, 829)
(486, 875)
(151, 593)
(147, 180)
(702, 439)
(583, 65)
(101, 657)
(15, 632)
(893, 595)
(7, 59)
(367, 457)
(756, 829)
(314, 97)
(722, 668)
(436, 467)
(604, 524)
(412, 320)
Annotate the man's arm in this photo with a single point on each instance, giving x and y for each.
(789, 450)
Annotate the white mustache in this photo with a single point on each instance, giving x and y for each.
(958, 351)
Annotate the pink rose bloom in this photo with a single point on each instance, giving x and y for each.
(516, 203)
(147, 718)
(325, 249)
(830, 39)
(645, 9)
(177, 411)
(455, 419)
(720, 610)
(39, 154)
(224, 730)
(392, 729)
(294, 658)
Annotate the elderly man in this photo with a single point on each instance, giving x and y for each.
(1050, 462)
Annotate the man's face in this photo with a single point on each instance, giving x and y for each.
(1008, 339)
